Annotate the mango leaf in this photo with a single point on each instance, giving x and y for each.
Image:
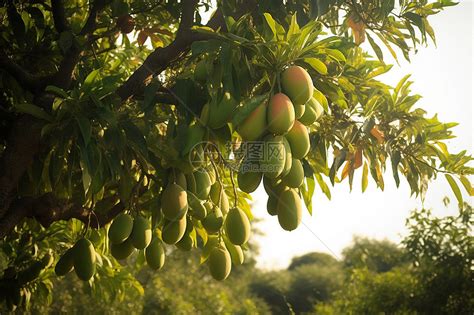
(135, 137)
(86, 177)
(91, 78)
(455, 188)
(335, 54)
(194, 135)
(56, 91)
(149, 95)
(212, 242)
(375, 47)
(467, 185)
(378, 71)
(294, 27)
(271, 23)
(321, 98)
(368, 125)
(200, 47)
(125, 185)
(365, 177)
(85, 127)
(389, 47)
(337, 163)
(317, 65)
(307, 190)
(322, 184)
(34, 111)
(417, 20)
(395, 161)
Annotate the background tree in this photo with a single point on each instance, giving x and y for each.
(377, 256)
(433, 276)
(96, 123)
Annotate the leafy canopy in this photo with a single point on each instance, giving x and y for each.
(98, 98)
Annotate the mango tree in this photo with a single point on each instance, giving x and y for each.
(143, 126)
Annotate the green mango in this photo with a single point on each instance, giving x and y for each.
(177, 177)
(297, 84)
(249, 176)
(141, 233)
(121, 228)
(295, 177)
(309, 116)
(84, 259)
(203, 184)
(204, 117)
(237, 226)
(65, 263)
(273, 187)
(198, 209)
(288, 158)
(299, 110)
(280, 114)
(219, 263)
(173, 231)
(235, 251)
(155, 254)
(221, 113)
(212, 174)
(273, 160)
(191, 183)
(185, 243)
(31, 273)
(213, 221)
(272, 204)
(174, 202)
(122, 250)
(298, 137)
(255, 124)
(200, 71)
(219, 198)
(289, 210)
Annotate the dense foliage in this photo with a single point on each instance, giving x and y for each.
(432, 275)
(414, 279)
(107, 105)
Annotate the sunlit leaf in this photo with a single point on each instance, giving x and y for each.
(455, 188)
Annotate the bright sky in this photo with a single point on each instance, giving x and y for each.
(444, 77)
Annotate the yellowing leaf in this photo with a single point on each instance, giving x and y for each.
(378, 134)
(467, 185)
(358, 29)
(365, 179)
(317, 65)
(455, 188)
(142, 37)
(345, 171)
(380, 181)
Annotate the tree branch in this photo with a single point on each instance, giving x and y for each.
(91, 21)
(48, 209)
(59, 16)
(24, 141)
(161, 58)
(64, 76)
(30, 81)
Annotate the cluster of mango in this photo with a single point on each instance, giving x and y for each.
(282, 127)
(81, 257)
